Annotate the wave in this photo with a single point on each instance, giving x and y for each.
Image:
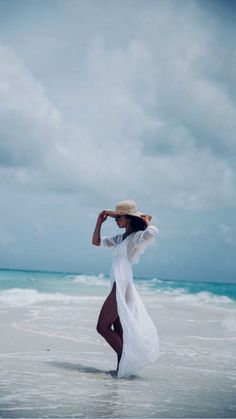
(203, 289)
(18, 297)
(182, 295)
(90, 280)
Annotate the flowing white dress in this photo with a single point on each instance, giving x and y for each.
(140, 338)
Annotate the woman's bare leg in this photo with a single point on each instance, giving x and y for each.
(119, 331)
(107, 317)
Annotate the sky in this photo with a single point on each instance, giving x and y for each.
(105, 100)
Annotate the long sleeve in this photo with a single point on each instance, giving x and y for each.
(138, 243)
(147, 236)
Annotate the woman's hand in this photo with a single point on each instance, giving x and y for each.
(102, 217)
(96, 240)
(146, 218)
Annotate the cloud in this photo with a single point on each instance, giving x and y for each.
(148, 117)
(100, 103)
(30, 124)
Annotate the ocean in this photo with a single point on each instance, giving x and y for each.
(54, 363)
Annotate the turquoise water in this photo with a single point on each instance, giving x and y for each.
(75, 283)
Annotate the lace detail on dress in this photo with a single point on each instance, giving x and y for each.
(136, 242)
(139, 241)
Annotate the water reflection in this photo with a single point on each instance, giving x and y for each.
(107, 395)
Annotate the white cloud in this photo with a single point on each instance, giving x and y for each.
(30, 124)
(145, 119)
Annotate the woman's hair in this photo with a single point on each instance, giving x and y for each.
(137, 223)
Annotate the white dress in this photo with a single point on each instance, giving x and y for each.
(140, 339)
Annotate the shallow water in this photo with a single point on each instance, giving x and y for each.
(195, 375)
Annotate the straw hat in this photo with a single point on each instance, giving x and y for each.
(128, 207)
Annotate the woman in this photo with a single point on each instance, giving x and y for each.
(134, 336)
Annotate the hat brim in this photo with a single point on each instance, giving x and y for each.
(144, 217)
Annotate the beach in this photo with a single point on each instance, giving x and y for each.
(55, 364)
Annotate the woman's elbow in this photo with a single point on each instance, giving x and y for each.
(152, 230)
(96, 243)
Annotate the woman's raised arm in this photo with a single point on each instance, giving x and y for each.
(96, 234)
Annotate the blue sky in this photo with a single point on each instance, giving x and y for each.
(103, 101)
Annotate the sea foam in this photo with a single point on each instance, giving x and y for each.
(18, 297)
(90, 280)
(26, 297)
